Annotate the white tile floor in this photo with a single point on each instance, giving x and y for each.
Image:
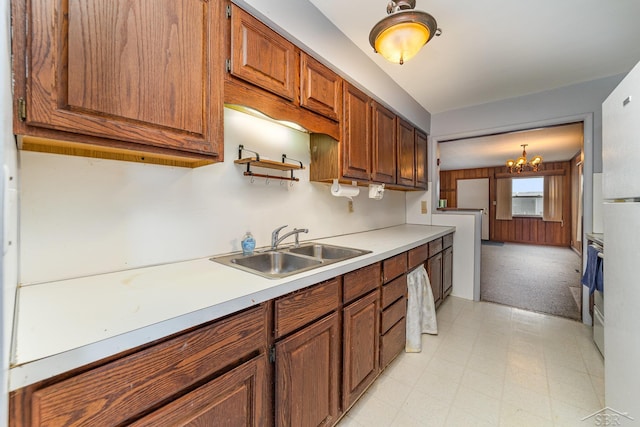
(489, 365)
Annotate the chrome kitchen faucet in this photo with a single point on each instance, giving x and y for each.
(275, 239)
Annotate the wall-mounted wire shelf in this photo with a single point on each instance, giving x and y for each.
(285, 165)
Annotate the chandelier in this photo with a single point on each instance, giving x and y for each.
(522, 164)
(399, 36)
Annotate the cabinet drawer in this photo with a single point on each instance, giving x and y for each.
(418, 255)
(393, 267)
(361, 281)
(435, 247)
(393, 314)
(392, 343)
(114, 393)
(238, 397)
(447, 241)
(394, 290)
(298, 309)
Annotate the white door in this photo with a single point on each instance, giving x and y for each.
(474, 194)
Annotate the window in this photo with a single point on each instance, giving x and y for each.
(527, 196)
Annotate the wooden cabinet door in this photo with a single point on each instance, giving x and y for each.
(406, 154)
(307, 373)
(238, 398)
(261, 56)
(148, 72)
(361, 332)
(356, 134)
(123, 389)
(320, 88)
(383, 145)
(434, 270)
(421, 160)
(447, 271)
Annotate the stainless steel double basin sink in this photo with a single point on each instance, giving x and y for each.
(279, 263)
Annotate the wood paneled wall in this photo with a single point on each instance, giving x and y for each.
(531, 230)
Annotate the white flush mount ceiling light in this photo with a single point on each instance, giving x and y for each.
(400, 36)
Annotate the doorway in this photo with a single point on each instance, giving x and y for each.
(567, 233)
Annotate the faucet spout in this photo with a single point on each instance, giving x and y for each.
(276, 240)
(274, 236)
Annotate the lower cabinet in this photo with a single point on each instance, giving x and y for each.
(440, 267)
(192, 367)
(308, 355)
(393, 320)
(360, 346)
(237, 398)
(434, 270)
(447, 272)
(307, 370)
(393, 308)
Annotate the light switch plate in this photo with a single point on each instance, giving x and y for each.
(423, 206)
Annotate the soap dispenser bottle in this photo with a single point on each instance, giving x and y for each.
(248, 244)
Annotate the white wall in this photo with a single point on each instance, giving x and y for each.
(568, 101)
(466, 251)
(84, 216)
(415, 200)
(310, 29)
(8, 266)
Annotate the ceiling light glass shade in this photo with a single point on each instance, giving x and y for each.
(401, 35)
(536, 160)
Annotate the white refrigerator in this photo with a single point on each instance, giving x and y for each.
(621, 214)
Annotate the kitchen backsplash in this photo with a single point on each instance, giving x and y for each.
(81, 216)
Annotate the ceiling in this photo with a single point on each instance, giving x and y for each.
(497, 49)
(557, 143)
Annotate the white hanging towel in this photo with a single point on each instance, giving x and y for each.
(421, 310)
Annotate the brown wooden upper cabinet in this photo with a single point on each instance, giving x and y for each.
(421, 160)
(383, 145)
(320, 88)
(376, 146)
(406, 154)
(356, 134)
(261, 56)
(143, 76)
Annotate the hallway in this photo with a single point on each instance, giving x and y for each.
(490, 365)
(544, 279)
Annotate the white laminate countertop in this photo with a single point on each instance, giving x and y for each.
(67, 324)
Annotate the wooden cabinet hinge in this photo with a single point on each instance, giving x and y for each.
(227, 65)
(228, 11)
(272, 354)
(22, 109)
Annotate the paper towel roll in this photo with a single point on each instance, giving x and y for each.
(348, 191)
(376, 191)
